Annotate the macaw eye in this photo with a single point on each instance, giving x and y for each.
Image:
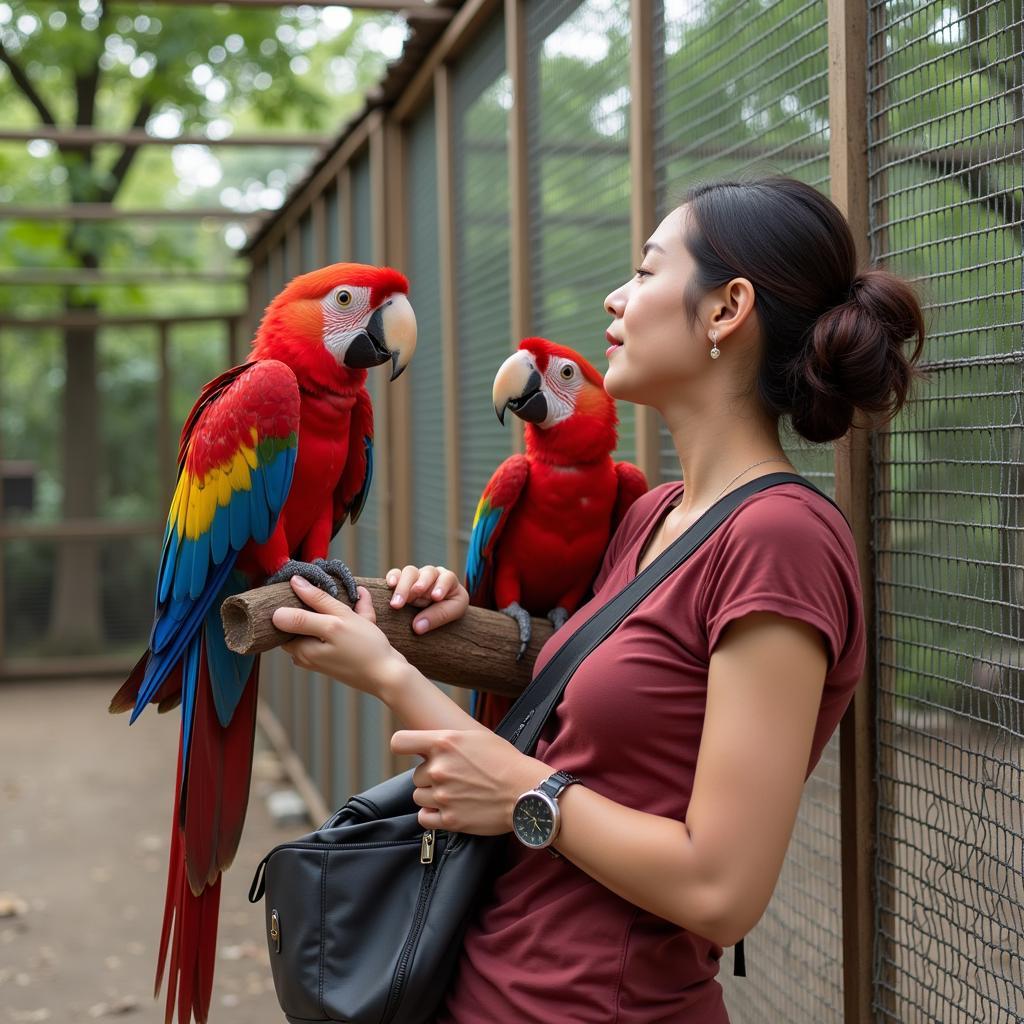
(567, 371)
(343, 298)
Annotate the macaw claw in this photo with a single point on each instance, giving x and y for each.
(309, 571)
(522, 617)
(341, 572)
(558, 616)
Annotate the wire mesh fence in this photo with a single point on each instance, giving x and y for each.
(946, 126)
(738, 89)
(577, 103)
(428, 455)
(87, 589)
(742, 90)
(480, 100)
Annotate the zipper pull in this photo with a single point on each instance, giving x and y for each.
(427, 847)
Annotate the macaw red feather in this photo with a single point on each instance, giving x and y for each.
(382, 282)
(239, 740)
(167, 696)
(543, 350)
(213, 790)
(545, 518)
(248, 491)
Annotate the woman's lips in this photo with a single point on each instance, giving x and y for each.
(613, 343)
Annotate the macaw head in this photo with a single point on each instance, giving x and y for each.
(347, 315)
(560, 396)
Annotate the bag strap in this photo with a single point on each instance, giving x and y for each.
(524, 721)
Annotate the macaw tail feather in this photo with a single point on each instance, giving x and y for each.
(209, 811)
(124, 699)
(167, 696)
(491, 708)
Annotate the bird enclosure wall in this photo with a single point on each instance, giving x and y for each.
(945, 148)
(539, 145)
(80, 543)
(513, 175)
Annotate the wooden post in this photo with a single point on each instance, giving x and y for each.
(3, 631)
(521, 293)
(321, 773)
(318, 223)
(241, 336)
(848, 148)
(277, 269)
(400, 426)
(449, 302)
(381, 160)
(643, 205)
(166, 451)
(292, 252)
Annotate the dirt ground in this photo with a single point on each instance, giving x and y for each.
(85, 809)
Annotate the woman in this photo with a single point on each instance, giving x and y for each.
(693, 727)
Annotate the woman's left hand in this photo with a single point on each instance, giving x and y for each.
(469, 779)
(338, 641)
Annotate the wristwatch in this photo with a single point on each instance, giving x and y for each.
(536, 817)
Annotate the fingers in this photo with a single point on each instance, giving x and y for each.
(446, 585)
(316, 620)
(301, 622)
(420, 585)
(417, 741)
(303, 651)
(437, 615)
(364, 606)
(430, 818)
(315, 597)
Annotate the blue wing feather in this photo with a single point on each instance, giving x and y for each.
(195, 573)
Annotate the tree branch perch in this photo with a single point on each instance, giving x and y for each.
(478, 652)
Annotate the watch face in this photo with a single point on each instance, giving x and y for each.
(533, 820)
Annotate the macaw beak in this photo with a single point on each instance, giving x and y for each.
(517, 386)
(390, 335)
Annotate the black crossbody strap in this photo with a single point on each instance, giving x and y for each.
(525, 719)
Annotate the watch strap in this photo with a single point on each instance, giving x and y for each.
(554, 784)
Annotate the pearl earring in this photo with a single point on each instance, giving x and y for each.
(715, 351)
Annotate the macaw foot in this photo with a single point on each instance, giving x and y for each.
(516, 611)
(341, 572)
(558, 616)
(310, 571)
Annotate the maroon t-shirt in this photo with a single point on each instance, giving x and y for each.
(552, 945)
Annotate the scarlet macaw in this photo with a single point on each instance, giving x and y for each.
(275, 455)
(545, 518)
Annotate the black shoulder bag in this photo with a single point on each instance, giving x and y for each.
(365, 916)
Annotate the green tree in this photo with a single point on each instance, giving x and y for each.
(115, 66)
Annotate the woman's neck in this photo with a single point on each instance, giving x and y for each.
(716, 450)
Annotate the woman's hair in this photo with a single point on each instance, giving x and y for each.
(833, 336)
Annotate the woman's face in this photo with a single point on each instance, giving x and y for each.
(653, 347)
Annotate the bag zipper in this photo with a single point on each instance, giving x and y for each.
(426, 887)
(257, 888)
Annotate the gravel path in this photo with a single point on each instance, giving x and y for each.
(85, 808)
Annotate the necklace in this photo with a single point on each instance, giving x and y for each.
(774, 458)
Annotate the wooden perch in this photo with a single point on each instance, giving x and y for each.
(477, 653)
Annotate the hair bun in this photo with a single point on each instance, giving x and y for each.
(854, 357)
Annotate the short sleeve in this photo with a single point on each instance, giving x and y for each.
(780, 555)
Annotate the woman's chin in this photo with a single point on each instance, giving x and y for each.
(616, 386)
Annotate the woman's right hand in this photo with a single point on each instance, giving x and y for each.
(433, 588)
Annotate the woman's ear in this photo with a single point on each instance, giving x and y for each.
(733, 306)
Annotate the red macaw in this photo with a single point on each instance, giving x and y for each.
(275, 455)
(545, 518)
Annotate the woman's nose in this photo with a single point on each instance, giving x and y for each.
(613, 303)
